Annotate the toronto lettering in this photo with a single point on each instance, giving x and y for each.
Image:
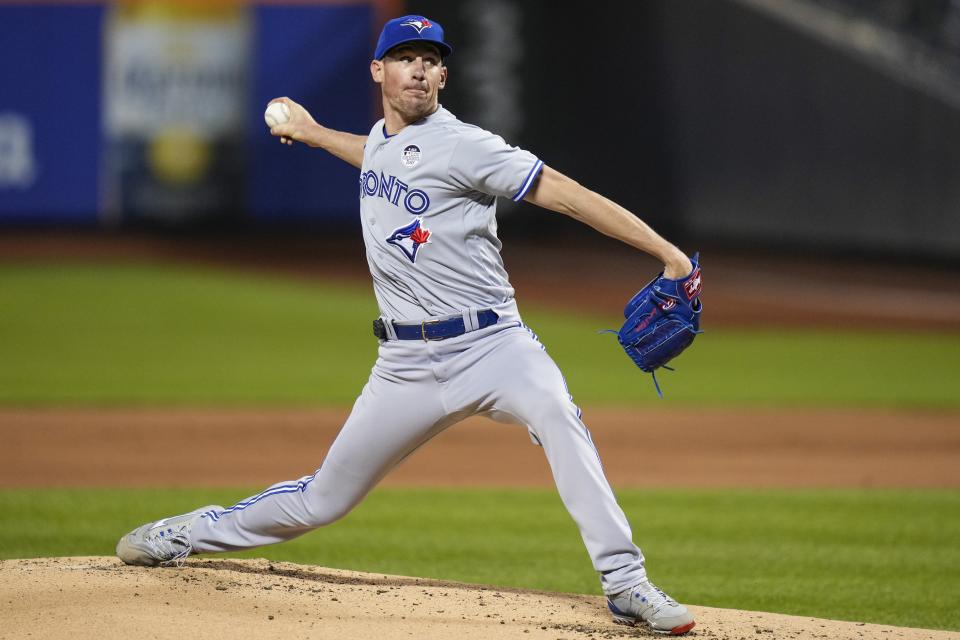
(395, 190)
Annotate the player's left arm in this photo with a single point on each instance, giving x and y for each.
(557, 192)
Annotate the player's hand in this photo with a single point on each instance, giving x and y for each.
(301, 127)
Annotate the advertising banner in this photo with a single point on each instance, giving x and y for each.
(150, 112)
(175, 83)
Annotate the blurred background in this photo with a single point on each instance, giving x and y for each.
(818, 126)
(185, 303)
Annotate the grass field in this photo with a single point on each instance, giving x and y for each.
(876, 556)
(127, 335)
(157, 335)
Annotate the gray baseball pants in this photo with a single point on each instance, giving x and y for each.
(416, 390)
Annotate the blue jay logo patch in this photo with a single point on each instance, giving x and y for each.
(410, 238)
(419, 25)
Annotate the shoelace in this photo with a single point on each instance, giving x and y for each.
(655, 597)
(163, 544)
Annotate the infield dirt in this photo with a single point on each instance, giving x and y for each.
(94, 597)
(720, 447)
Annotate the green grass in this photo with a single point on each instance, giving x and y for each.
(142, 334)
(136, 334)
(879, 556)
(798, 368)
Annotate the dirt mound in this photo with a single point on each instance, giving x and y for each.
(100, 598)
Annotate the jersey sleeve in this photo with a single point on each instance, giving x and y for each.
(483, 162)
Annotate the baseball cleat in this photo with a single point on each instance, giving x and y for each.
(162, 543)
(644, 602)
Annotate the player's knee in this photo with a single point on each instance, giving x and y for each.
(325, 508)
(327, 514)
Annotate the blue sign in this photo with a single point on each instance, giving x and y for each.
(320, 57)
(49, 113)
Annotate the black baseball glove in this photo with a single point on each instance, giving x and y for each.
(662, 320)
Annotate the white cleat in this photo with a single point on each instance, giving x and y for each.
(644, 602)
(162, 543)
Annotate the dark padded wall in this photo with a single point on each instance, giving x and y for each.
(541, 76)
(780, 138)
(713, 121)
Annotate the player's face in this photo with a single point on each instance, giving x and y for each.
(410, 76)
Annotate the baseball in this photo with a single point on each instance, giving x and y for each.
(276, 113)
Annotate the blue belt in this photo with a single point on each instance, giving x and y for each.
(435, 329)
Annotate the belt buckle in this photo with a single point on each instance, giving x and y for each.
(379, 329)
(423, 330)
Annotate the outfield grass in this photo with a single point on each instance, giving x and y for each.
(140, 334)
(876, 556)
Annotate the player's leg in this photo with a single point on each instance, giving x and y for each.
(398, 410)
(508, 372)
(391, 418)
(523, 382)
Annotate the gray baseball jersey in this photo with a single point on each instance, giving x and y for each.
(428, 197)
(427, 205)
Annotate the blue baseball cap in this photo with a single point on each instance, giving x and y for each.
(411, 29)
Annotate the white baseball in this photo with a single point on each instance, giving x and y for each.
(276, 113)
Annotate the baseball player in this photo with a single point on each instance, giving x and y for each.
(452, 342)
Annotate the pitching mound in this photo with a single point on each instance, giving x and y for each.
(100, 598)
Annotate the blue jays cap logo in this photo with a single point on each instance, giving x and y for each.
(410, 238)
(419, 24)
(412, 28)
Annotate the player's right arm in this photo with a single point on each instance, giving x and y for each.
(303, 128)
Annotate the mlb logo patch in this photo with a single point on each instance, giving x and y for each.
(410, 155)
(410, 238)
